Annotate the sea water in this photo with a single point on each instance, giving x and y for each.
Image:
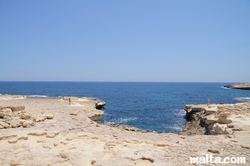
(152, 106)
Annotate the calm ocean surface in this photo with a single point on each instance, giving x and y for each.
(150, 106)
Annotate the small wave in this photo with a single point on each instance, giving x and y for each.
(180, 112)
(242, 98)
(37, 96)
(177, 128)
(120, 120)
(223, 87)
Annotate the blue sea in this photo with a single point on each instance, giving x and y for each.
(152, 106)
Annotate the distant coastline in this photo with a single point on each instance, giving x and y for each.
(243, 86)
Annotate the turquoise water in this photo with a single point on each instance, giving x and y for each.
(150, 106)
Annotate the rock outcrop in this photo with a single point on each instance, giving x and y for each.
(93, 108)
(244, 86)
(216, 118)
(100, 104)
(16, 116)
(95, 115)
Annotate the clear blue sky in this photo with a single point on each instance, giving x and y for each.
(125, 40)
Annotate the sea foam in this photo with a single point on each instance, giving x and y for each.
(242, 98)
(35, 96)
(120, 120)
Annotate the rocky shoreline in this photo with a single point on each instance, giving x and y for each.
(214, 119)
(53, 131)
(244, 86)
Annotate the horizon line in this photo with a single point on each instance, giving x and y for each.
(137, 81)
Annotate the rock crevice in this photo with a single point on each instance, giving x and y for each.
(214, 118)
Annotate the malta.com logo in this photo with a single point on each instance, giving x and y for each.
(209, 159)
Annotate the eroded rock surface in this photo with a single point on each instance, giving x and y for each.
(218, 118)
(71, 138)
(16, 116)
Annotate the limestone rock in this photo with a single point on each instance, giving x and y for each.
(143, 162)
(213, 151)
(13, 140)
(194, 113)
(25, 116)
(40, 117)
(49, 116)
(221, 118)
(51, 134)
(24, 137)
(14, 123)
(95, 115)
(5, 112)
(2, 114)
(100, 104)
(17, 108)
(28, 123)
(64, 155)
(244, 86)
(15, 116)
(221, 129)
(145, 155)
(37, 133)
(91, 143)
(73, 156)
(216, 118)
(73, 113)
(4, 124)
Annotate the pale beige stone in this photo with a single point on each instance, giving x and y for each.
(25, 116)
(51, 135)
(49, 116)
(4, 124)
(37, 133)
(78, 140)
(143, 162)
(13, 140)
(213, 151)
(73, 113)
(40, 117)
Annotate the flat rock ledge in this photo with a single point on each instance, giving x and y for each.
(244, 86)
(92, 107)
(69, 136)
(127, 128)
